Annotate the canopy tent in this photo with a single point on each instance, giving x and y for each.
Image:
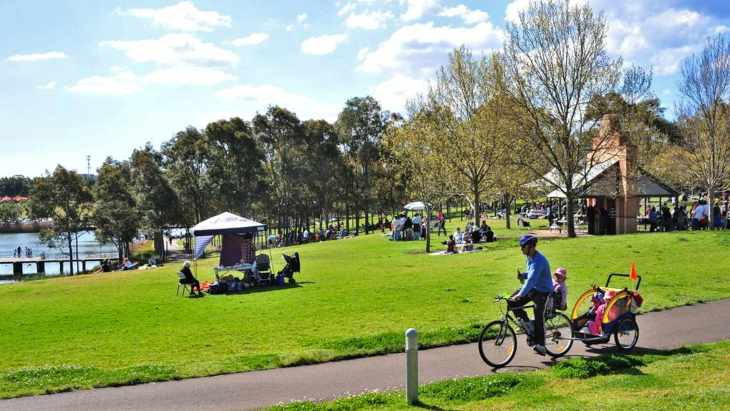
(415, 206)
(231, 227)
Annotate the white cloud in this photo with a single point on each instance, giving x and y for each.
(124, 82)
(174, 49)
(252, 40)
(289, 27)
(419, 49)
(648, 33)
(346, 8)
(417, 8)
(362, 53)
(50, 86)
(322, 44)
(368, 21)
(188, 75)
(38, 56)
(182, 16)
(252, 98)
(468, 16)
(645, 32)
(394, 93)
(301, 17)
(512, 12)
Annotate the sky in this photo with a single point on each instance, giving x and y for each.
(98, 78)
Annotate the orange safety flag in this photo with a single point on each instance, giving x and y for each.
(633, 270)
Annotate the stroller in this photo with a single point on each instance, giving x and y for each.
(292, 266)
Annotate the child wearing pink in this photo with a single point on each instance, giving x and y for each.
(595, 325)
(559, 288)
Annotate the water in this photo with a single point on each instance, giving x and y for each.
(88, 247)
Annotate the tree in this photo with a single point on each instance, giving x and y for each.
(235, 161)
(279, 133)
(704, 115)
(157, 202)
(556, 62)
(115, 214)
(15, 186)
(417, 150)
(361, 125)
(10, 211)
(470, 113)
(186, 158)
(65, 199)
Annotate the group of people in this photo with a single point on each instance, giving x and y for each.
(18, 252)
(670, 218)
(405, 228)
(472, 234)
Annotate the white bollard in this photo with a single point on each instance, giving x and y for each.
(411, 366)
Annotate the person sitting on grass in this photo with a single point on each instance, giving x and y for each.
(128, 265)
(458, 236)
(450, 245)
(105, 267)
(191, 280)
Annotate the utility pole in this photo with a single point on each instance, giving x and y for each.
(88, 167)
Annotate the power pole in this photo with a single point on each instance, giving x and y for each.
(88, 167)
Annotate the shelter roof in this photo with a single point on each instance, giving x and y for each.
(227, 223)
(603, 182)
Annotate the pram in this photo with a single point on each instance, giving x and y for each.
(292, 266)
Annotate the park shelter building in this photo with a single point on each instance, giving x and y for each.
(615, 182)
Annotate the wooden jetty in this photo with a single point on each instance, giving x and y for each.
(40, 263)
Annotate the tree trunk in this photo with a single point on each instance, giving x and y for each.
(428, 231)
(507, 210)
(70, 254)
(571, 222)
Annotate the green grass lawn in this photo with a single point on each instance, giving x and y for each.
(690, 378)
(354, 297)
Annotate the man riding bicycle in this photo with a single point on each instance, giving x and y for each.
(537, 288)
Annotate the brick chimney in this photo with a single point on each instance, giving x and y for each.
(611, 145)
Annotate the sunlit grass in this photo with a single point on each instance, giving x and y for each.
(354, 297)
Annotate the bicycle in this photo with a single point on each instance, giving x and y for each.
(498, 340)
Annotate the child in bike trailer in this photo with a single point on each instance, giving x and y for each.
(560, 291)
(537, 287)
(594, 326)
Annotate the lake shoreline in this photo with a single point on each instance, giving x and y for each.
(31, 227)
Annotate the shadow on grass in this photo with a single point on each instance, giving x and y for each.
(267, 288)
(429, 407)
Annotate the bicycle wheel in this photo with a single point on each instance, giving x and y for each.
(497, 344)
(558, 335)
(627, 334)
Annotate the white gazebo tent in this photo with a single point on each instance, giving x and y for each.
(230, 226)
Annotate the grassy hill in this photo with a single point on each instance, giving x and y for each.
(354, 297)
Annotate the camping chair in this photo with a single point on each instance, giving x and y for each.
(262, 271)
(184, 283)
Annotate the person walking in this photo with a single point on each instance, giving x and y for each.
(537, 288)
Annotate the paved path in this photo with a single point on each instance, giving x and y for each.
(659, 330)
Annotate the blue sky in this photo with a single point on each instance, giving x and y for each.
(100, 78)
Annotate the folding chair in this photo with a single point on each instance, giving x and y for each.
(183, 281)
(262, 271)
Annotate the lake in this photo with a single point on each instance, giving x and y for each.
(88, 246)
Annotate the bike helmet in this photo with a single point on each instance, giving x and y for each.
(528, 240)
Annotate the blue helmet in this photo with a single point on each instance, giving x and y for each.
(528, 240)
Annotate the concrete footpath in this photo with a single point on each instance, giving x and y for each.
(660, 330)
